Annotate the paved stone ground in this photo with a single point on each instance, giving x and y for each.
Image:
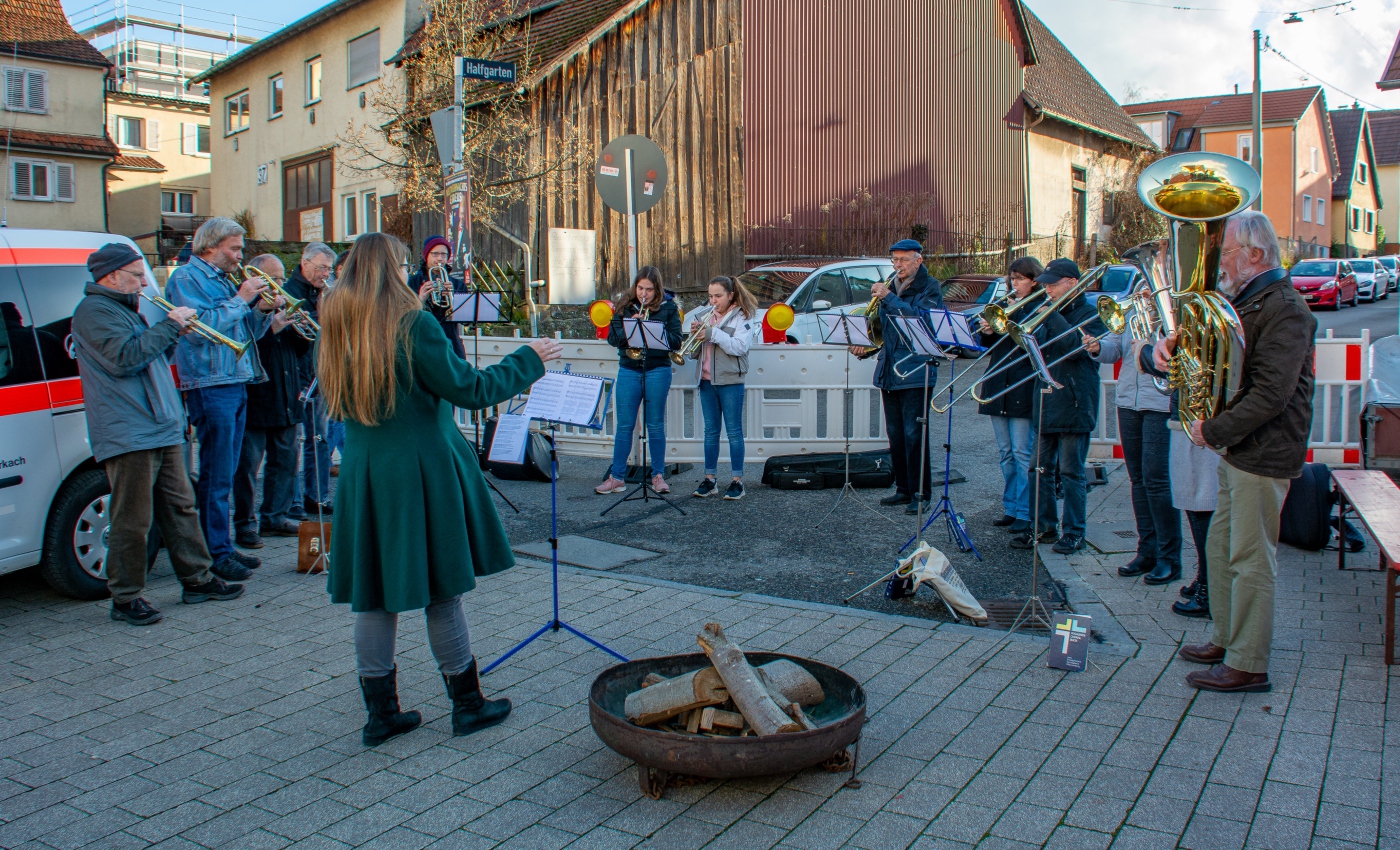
(237, 725)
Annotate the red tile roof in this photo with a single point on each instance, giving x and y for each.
(137, 163)
(1059, 86)
(1225, 109)
(39, 28)
(59, 142)
(1349, 129)
(1385, 135)
(1391, 78)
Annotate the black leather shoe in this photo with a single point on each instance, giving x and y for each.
(1137, 566)
(1197, 606)
(215, 588)
(137, 612)
(228, 569)
(1189, 590)
(1006, 519)
(286, 528)
(913, 507)
(1020, 526)
(1021, 541)
(248, 539)
(895, 499)
(246, 560)
(1068, 544)
(1163, 574)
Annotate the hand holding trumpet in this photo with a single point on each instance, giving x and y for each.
(252, 288)
(181, 316)
(1162, 352)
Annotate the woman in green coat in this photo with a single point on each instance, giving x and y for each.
(415, 523)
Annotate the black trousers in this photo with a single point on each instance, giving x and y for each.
(1146, 453)
(903, 409)
(279, 445)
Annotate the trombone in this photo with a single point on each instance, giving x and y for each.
(301, 320)
(201, 328)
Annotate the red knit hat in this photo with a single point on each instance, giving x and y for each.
(433, 242)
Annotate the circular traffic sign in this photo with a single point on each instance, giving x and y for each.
(648, 174)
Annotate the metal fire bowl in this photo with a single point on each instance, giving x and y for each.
(839, 719)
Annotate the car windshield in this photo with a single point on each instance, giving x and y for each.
(1388, 262)
(1314, 269)
(773, 285)
(1116, 279)
(1362, 266)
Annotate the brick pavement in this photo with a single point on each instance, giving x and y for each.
(237, 725)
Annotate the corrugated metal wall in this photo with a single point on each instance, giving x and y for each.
(900, 97)
(672, 73)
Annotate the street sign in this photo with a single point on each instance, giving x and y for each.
(482, 69)
(648, 174)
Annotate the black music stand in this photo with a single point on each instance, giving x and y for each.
(846, 330)
(644, 333)
(308, 397)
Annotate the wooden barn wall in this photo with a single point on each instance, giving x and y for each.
(673, 73)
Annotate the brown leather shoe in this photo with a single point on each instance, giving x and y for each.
(1203, 653)
(1229, 680)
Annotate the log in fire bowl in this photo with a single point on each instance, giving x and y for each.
(660, 755)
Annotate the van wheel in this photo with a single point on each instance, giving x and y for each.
(75, 542)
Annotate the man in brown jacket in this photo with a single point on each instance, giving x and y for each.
(1264, 435)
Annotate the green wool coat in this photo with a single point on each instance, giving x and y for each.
(414, 521)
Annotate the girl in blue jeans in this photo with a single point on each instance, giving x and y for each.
(642, 371)
(724, 360)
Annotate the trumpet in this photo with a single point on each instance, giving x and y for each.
(198, 327)
(691, 349)
(301, 320)
(441, 295)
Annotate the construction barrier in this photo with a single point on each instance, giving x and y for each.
(794, 405)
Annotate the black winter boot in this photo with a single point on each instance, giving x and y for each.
(1196, 606)
(382, 703)
(472, 712)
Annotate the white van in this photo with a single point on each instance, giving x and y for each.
(53, 495)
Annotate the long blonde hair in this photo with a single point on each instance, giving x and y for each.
(365, 323)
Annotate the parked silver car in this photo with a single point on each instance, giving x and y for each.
(1392, 270)
(1372, 280)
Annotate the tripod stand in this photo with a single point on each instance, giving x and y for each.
(554, 624)
(957, 532)
(643, 492)
(847, 489)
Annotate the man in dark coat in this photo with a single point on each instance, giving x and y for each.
(1264, 433)
(1065, 417)
(915, 292)
(308, 282)
(271, 429)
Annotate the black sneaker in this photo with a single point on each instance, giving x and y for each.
(311, 508)
(895, 499)
(1067, 544)
(286, 528)
(1051, 536)
(248, 539)
(215, 588)
(735, 491)
(246, 560)
(913, 507)
(706, 487)
(228, 569)
(1021, 541)
(137, 612)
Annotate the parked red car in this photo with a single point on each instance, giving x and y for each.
(1326, 283)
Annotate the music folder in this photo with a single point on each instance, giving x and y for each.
(951, 329)
(844, 329)
(646, 334)
(569, 399)
(918, 336)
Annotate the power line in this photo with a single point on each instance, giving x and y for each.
(1310, 74)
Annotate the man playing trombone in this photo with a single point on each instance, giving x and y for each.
(214, 378)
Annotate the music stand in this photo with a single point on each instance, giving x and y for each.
(308, 397)
(919, 339)
(648, 336)
(476, 309)
(594, 421)
(846, 330)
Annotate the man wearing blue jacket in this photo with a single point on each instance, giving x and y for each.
(215, 379)
(915, 293)
(137, 429)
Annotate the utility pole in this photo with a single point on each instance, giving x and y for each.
(1257, 147)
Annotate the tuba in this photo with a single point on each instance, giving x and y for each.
(1197, 193)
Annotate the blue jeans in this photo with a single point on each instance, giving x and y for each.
(1066, 452)
(725, 402)
(628, 400)
(217, 414)
(1015, 439)
(315, 454)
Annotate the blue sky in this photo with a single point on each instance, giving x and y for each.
(1138, 49)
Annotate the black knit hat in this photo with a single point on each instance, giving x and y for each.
(109, 258)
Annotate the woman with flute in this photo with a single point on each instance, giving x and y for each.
(416, 524)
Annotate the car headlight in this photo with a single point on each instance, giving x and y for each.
(1331, 284)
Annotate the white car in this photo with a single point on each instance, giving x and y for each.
(54, 497)
(1372, 280)
(1388, 263)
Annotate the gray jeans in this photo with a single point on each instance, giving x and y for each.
(375, 632)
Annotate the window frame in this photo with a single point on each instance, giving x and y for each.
(1307, 208)
(370, 224)
(314, 61)
(1244, 142)
(1314, 160)
(177, 195)
(1370, 219)
(1321, 211)
(51, 181)
(1354, 220)
(247, 118)
(121, 122)
(350, 83)
(276, 96)
(25, 74)
(350, 220)
(1361, 172)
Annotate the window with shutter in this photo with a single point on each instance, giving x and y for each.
(63, 182)
(14, 89)
(187, 138)
(152, 134)
(363, 60)
(36, 91)
(23, 185)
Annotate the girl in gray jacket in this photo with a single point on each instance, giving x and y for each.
(724, 360)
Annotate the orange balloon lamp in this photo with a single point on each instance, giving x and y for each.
(600, 313)
(776, 322)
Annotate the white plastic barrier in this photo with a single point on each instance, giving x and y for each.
(1339, 365)
(791, 404)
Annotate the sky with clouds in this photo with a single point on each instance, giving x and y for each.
(1152, 49)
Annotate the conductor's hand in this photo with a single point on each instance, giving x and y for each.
(1091, 344)
(879, 290)
(547, 349)
(425, 291)
(1162, 352)
(251, 289)
(181, 316)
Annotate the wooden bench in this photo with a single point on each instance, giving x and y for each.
(1374, 498)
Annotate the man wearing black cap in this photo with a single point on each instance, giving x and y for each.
(1066, 417)
(136, 425)
(915, 293)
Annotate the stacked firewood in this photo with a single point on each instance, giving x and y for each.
(730, 698)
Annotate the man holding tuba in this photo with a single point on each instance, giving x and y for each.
(1263, 432)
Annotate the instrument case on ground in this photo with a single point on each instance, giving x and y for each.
(1305, 521)
(819, 471)
(1380, 407)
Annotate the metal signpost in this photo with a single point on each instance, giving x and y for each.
(631, 176)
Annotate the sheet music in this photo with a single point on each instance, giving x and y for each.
(919, 337)
(646, 334)
(951, 329)
(508, 443)
(567, 398)
(476, 307)
(1032, 348)
(844, 329)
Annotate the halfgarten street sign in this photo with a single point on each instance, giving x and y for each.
(482, 69)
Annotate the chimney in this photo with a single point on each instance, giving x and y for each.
(1237, 88)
